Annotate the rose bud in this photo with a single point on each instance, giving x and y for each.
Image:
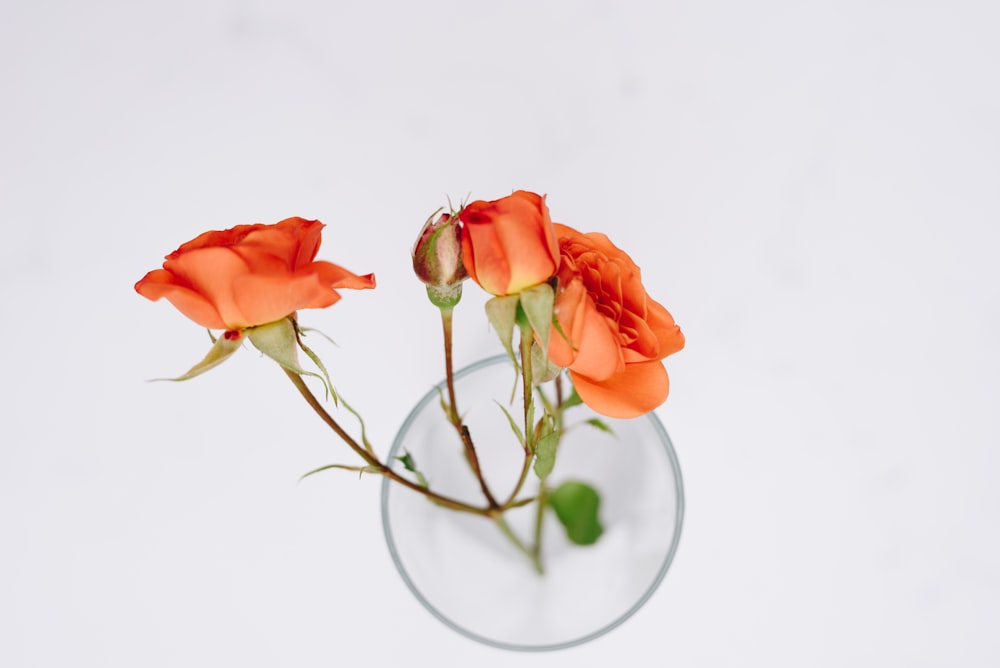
(437, 260)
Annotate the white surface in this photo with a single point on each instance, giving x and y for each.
(811, 189)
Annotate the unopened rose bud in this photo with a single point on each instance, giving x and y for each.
(437, 260)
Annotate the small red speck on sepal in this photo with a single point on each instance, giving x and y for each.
(232, 335)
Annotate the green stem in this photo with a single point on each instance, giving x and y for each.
(531, 553)
(446, 327)
(453, 416)
(542, 500)
(526, 381)
(534, 553)
(372, 460)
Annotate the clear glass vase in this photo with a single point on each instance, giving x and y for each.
(473, 578)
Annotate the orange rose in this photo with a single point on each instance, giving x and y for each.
(509, 244)
(250, 275)
(617, 334)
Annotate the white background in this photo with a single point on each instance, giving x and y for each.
(810, 187)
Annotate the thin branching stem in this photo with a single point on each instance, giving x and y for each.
(372, 460)
(453, 415)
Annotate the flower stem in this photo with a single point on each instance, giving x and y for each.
(541, 501)
(527, 338)
(453, 416)
(446, 327)
(532, 552)
(372, 460)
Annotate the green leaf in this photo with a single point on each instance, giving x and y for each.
(221, 350)
(545, 453)
(573, 400)
(359, 469)
(513, 425)
(603, 426)
(410, 464)
(502, 314)
(576, 504)
(538, 302)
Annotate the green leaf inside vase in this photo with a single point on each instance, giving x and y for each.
(576, 504)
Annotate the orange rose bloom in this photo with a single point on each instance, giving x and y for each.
(509, 244)
(617, 334)
(250, 275)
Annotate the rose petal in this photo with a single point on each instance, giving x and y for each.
(338, 277)
(210, 272)
(668, 334)
(484, 256)
(265, 299)
(569, 312)
(598, 354)
(160, 283)
(637, 390)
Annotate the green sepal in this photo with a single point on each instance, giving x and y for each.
(280, 341)
(328, 384)
(502, 314)
(445, 296)
(307, 330)
(538, 303)
(221, 350)
(577, 504)
(360, 469)
(361, 422)
(542, 368)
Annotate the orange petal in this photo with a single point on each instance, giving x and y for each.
(528, 239)
(598, 354)
(569, 313)
(668, 334)
(634, 392)
(210, 272)
(338, 277)
(265, 299)
(159, 283)
(310, 238)
(483, 256)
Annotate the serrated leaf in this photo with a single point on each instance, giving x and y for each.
(221, 350)
(577, 506)
(545, 453)
(602, 425)
(513, 425)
